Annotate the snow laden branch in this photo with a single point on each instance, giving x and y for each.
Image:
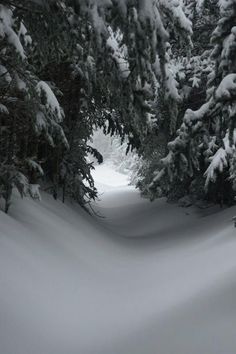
(24, 98)
(204, 145)
(7, 32)
(51, 103)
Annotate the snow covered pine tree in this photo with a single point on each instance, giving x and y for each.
(29, 111)
(203, 153)
(86, 36)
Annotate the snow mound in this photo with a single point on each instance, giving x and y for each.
(150, 278)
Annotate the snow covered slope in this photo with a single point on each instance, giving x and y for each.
(150, 278)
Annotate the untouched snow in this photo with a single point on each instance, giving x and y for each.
(150, 278)
(108, 179)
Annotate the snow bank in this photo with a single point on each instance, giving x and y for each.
(149, 278)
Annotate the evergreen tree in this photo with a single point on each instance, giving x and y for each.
(205, 143)
(115, 58)
(30, 111)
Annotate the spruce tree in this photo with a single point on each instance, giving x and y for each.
(117, 60)
(204, 148)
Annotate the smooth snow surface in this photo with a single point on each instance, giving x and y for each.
(150, 278)
(107, 179)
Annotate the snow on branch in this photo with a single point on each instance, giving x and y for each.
(227, 87)
(220, 159)
(218, 163)
(51, 102)
(7, 32)
(176, 9)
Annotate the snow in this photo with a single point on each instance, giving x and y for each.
(218, 163)
(6, 30)
(23, 32)
(226, 5)
(118, 53)
(171, 85)
(4, 74)
(227, 87)
(148, 278)
(220, 159)
(200, 4)
(40, 122)
(52, 103)
(20, 84)
(106, 178)
(175, 7)
(193, 116)
(34, 166)
(3, 109)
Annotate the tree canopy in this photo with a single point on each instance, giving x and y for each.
(142, 69)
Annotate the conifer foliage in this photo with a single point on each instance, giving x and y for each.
(200, 156)
(144, 70)
(204, 148)
(62, 64)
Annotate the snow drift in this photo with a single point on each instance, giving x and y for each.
(149, 278)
